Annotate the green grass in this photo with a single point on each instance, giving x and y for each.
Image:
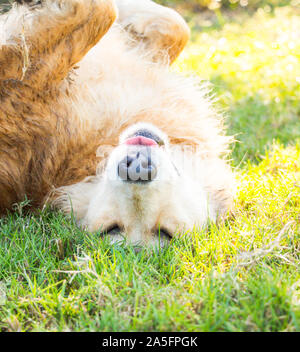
(240, 276)
(254, 64)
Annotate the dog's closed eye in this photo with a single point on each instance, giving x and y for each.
(164, 234)
(113, 230)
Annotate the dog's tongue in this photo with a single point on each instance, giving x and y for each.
(140, 140)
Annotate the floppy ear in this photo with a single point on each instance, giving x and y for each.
(74, 199)
(39, 45)
(163, 31)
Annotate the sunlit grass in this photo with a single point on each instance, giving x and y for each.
(255, 68)
(260, 56)
(242, 275)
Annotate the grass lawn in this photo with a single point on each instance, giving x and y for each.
(243, 275)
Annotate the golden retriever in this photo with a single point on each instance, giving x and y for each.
(94, 121)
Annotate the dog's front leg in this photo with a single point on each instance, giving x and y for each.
(41, 44)
(164, 32)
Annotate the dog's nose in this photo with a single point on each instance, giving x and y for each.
(137, 167)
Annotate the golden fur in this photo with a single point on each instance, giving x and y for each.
(73, 78)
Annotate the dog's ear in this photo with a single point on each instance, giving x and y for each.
(74, 199)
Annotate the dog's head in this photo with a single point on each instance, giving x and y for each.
(145, 193)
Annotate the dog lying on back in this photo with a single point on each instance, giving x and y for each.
(93, 121)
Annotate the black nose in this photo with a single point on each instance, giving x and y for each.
(137, 167)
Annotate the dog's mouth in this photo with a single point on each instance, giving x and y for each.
(144, 137)
(140, 140)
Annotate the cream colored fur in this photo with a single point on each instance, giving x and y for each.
(124, 80)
